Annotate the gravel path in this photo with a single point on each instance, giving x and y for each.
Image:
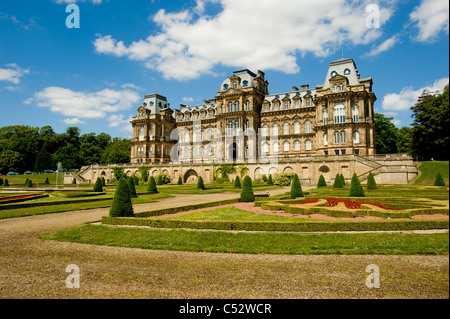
(33, 268)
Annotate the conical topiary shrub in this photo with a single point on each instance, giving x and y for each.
(131, 188)
(6, 182)
(103, 181)
(322, 182)
(269, 180)
(121, 205)
(159, 180)
(26, 182)
(200, 184)
(371, 184)
(180, 181)
(343, 180)
(135, 180)
(439, 180)
(338, 182)
(29, 183)
(264, 178)
(98, 187)
(152, 185)
(356, 189)
(237, 182)
(74, 181)
(247, 190)
(296, 188)
(47, 182)
(1, 181)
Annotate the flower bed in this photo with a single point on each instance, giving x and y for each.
(21, 198)
(332, 202)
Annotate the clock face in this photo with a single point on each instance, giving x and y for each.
(334, 73)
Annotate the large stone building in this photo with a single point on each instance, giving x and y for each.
(315, 131)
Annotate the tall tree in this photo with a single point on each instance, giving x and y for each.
(43, 159)
(385, 135)
(430, 139)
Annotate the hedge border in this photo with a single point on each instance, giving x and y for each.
(177, 209)
(11, 201)
(310, 226)
(30, 205)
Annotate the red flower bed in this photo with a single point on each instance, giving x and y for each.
(16, 197)
(308, 201)
(354, 204)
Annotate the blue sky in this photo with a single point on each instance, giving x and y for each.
(95, 76)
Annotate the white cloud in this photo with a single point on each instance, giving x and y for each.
(73, 121)
(384, 46)
(256, 34)
(188, 99)
(430, 17)
(408, 96)
(13, 73)
(117, 120)
(84, 105)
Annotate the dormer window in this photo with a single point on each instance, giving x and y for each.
(225, 86)
(245, 83)
(347, 71)
(308, 102)
(333, 73)
(234, 85)
(151, 103)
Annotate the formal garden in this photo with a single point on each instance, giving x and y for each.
(343, 218)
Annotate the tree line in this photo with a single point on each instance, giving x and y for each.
(25, 148)
(427, 138)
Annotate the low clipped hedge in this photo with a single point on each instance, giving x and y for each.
(55, 203)
(18, 200)
(307, 226)
(177, 209)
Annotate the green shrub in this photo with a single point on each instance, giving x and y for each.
(47, 181)
(131, 187)
(152, 185)
(338, 182)
(180, 181)
(1, 181)
(135, 180)
(98, 187)
(247, 190)
(162, 179)
(29, 183)
(343, 180)
(322, 182)
(103, 181)
(282, 179)
(6, 182)
(356, 189)
(237, 182)
(269, 180)
(200, 184)
(74, 181)
(296, 188)
(371, 184)
(264, 178)
(121, 205)
(439, 181)
(159, 180)
(26, 182)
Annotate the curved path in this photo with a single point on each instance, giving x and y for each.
(33, 268)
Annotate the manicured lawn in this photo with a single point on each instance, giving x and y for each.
(257, 243)
(209, 188)
(19, 180)
(430, 170)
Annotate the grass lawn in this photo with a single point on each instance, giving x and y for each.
(257, 243)
(19, 180)
(429, 171)
(209, 188)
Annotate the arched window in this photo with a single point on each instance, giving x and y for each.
(210, 135)
(194, 152)
(308, 145)
(186, 137)
(275, 106)
(210, 150)
(230, 107)
(297, 145)
(234, 85)
(247, 127)
(186, 152)
(230, 128)
(275, 147)
(247, 105)
(244, 83)
(355, 113)
(286, 105)
(339, 113)
(325, 116)
(343, 137)
(202, 135)
(325, 138)
(346, 71)
(236, 128)
(341, 87)
(236, 106)
(141, 133)
(297, 104)
(265, 147)
(265, 131)
(356, 137)
(275, 129)
(336, 137)
(286, 128)
(335, 88)
(202, 151)
(308, 126)
(286, 146)
(194, 137)
(297, 128)
(225, 86)
(266, 107)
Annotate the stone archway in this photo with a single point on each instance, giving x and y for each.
(190, 177)
(273, 171)
(288, 170)
(258, 173)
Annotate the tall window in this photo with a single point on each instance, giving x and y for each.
(266, 108)
(275, 147)
(265, 147)
(230, 107)
(234, 85)
(194, 152)
(230, 128)
(356, 137)
(286, 105)
(275, 106)
(210, 135)
(141, 133)
(308, 102)
(275, 129)
(210, 150)
(308, 145)
(202, 135)
(286, 128)
(247, 127)
(247, 105)
(343, 137)
(297, 128)
(236, 128)
(335, 88)
(202, 151)
(339, 113)
(286, 146)
(265, 131)
(236, 106)
(297, 104)
(325, 138)
(336, 137)
(325, 116)
(341, 87)
(355, 113)
(186, 152)
(297, 145)
(308, 126)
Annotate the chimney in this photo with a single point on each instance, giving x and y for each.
(294, 88)
(305, 87)
(261, 74)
